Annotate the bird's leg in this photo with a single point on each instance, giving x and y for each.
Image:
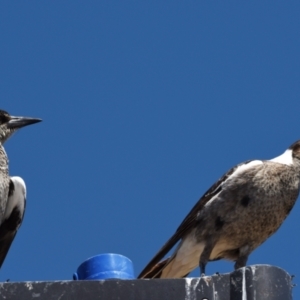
(202, 266)
(240, 262)
(243, 257)
(204, 257)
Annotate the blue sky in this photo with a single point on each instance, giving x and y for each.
(144, 106)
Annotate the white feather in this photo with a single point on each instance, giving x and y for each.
(286, 158)
(240, 169)
(17, 199)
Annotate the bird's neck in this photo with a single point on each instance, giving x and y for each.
(3, 160)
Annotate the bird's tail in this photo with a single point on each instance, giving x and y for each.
(159, 270)
(180, 264)
(156, 270)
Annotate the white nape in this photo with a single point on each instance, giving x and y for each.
(286, 158)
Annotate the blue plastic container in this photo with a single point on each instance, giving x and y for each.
(105, 266)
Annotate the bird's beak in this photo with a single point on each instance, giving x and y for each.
(18, 122)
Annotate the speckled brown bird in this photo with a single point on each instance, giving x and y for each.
(236, 215)
(12, 189)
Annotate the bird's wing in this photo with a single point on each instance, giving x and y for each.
(154, 268)
(14, 214)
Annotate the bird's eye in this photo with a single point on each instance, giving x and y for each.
(4, 117)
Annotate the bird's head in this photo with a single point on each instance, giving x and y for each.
(10, 124)
(295, 150)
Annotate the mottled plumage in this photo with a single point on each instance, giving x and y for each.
(237, 214)
(12, 189)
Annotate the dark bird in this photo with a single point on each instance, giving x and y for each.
(12, 189)
(236, 215)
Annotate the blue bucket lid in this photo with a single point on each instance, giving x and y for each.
(105, 266)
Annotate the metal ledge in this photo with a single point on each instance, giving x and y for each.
(253, 282)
